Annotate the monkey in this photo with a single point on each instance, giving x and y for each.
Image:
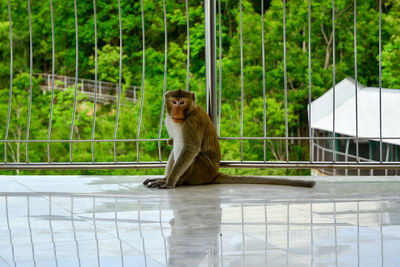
(195, 156)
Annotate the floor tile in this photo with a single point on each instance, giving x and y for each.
(116, 221)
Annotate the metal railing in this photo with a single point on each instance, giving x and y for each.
(213, 101)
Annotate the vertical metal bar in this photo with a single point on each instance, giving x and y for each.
(165, 79)
(333, 82)
(143, 80)
(220, 67)
(285, 82)
(387, 157)
(95, 77)
(10, 233)
(52, 80)
(311, 142)
(76, 81)
(119, 81)
(263, 73)
(356, 82)
(241, 82)
(11, 83)
(312, 146)
(188, 46)
(30, 81)
(356, 76)
(211, 71)
(380, 81)
(346, 153)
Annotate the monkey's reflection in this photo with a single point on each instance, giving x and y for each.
(195, 229)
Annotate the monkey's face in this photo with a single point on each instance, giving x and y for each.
(177, 108)
(179, 104)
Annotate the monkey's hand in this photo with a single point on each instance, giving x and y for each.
(170, 142)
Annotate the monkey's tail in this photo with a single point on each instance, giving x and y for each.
(233, 179)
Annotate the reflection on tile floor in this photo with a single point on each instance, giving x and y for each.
(115, 221)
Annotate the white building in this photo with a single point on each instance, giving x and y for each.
(368, 118)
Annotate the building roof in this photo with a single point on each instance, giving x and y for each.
(368, 111)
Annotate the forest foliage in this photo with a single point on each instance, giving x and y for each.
(108, 58)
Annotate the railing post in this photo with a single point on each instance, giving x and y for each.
(211, 70)
(48, 83)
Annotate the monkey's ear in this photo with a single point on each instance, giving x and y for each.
(193, 96)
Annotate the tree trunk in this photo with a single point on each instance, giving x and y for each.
(328, 52)
(328, 49)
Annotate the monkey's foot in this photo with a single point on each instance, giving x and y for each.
(156, 183)
(149, 181)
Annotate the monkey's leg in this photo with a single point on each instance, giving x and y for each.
(181, 165)
(156, 182)
(200, 172)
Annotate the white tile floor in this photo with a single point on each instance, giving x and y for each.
(115, 221)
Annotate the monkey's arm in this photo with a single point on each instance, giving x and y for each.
(170, 164)
(182, 164)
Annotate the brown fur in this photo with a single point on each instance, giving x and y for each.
(198, 149)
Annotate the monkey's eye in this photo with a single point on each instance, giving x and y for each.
(182, 103)
(174, 102)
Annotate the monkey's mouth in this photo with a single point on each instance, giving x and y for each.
(178, 119)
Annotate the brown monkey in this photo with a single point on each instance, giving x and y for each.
(196, 154)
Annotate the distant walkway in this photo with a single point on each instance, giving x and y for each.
(106, 91)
